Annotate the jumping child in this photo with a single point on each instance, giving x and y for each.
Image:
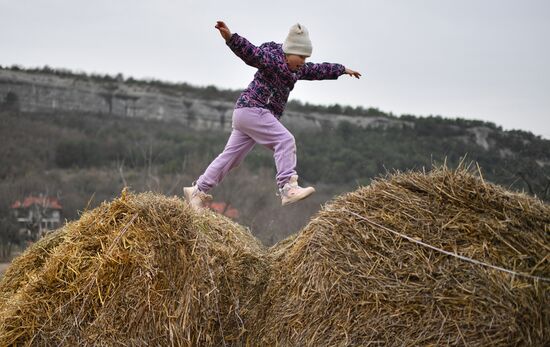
(259, 108)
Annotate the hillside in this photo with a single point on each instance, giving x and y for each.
(79, 137)
(47, 90)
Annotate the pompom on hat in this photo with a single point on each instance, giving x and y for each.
(298, 42)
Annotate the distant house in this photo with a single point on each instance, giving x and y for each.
(225, 209)
(37, 214)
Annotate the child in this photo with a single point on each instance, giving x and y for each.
(259, 108)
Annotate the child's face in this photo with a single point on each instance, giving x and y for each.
(295, 62)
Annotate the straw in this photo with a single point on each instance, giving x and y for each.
(349, 279)
(141, 270)
(437, 257)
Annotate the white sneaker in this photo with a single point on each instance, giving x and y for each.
(195, 197)
(292, 192)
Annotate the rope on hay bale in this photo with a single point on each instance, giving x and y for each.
(477, 262)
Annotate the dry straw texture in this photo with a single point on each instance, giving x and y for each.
(141, 270)
(146, 270)
(346, 282)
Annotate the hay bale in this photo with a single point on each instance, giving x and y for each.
(346, 280)
(146, 270)
(141, 270)
(25, 267)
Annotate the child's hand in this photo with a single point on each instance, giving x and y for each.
(224, 30)
(353, 73)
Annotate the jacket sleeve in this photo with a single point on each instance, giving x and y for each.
(324, 71)
(250, 54)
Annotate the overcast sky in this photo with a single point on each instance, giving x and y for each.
(476, 59)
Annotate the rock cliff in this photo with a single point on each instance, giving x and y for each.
(45, 92)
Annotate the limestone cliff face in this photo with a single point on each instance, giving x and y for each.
(43, 92)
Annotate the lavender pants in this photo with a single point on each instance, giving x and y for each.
(253, 125)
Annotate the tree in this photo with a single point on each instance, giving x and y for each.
(9, 236)
(11, 102)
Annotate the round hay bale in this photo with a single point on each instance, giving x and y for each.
(140, 270)
(347, 280)
(401, 262)
(25, 267)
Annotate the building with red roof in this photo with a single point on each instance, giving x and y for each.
(37, 214)
(225, 209)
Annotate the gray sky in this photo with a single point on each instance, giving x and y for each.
(480, 59)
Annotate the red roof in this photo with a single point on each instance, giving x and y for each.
(223, 208)
(47, 202)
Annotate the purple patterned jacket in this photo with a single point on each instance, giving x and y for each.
(274, 80)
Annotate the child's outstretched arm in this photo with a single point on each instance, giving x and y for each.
(352, 73)
(224, 30)
(245, 50)
(325, 71)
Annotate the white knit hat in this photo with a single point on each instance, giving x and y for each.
(297, 41)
